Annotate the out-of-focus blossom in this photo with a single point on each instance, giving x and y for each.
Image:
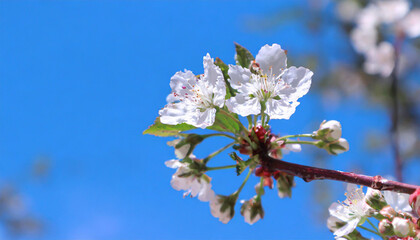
(392, 10)
(347, 10)
(410, 25)
(363, 39)
(380, 60)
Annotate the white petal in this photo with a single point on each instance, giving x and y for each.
(174, 113)
(272, 58)
(279, 109)
(173, 163)
(348, 228)
(214, 79)
(339, 211)
(206, 193)
(298, 81)
(239, 76)
(244, 105)
(203, 119)
(398, 201)
(182, 81)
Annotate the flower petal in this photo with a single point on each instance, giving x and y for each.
(280, 109)
(182, 81)
(239, 76)
(298, 81)
(214, 81)
(244, 105)
(348, 228)
(203, 119)
(272, 58)
(174, 113)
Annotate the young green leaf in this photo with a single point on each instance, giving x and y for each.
(165, 130)
(225, 68)
(223, 123)
(243, 56)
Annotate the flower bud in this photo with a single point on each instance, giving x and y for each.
(329, 131)
(337, 147)
(385, 227)
(388, 212)
(223, 207)
(252, 210)
(375, 199)
(285, 182)
(403, 227)
(414, 201)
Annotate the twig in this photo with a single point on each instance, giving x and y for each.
(308, 174)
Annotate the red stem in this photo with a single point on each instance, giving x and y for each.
(308, 174)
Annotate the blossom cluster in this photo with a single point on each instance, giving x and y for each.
(268, 86)
(377, 24)
(397, 214)
(260, 89)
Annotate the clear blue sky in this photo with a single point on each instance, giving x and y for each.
(81, 80)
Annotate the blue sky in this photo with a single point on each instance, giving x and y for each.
(81, 80)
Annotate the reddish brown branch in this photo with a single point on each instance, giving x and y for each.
(308, 174)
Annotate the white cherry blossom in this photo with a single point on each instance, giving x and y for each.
(191, 184)
(353, 211)
(193, 100)
(272, 84)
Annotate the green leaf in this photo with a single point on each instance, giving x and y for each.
(223, 123)
(243, 56)
(225, 68)
(165, 130)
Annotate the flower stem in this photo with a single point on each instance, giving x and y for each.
(373, 225)
(244, 182)
(220, 168)
(302, 142)
(205, 160)
(261, 189)
(370, 230)
(295, 136)
(220, 134)
(249, 121)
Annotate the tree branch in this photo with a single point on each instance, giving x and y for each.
(308, 174)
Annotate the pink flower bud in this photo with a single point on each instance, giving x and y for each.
(414, 201)
(385, 227)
